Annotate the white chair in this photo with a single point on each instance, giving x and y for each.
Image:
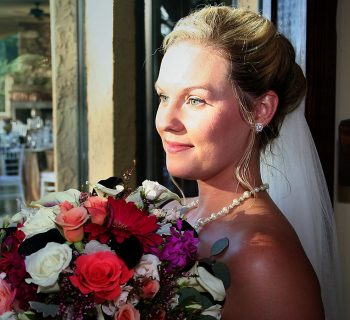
(11, 168)
(47, 182)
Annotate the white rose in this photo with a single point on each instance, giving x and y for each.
(45, 265)
(203, 281)
(41, 221)
(23, 215)
(155, 191)
(148, 267)
(94, 246)
(135, 197)
(214, 311)
(71, 195)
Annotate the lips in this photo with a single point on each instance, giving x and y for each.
(175, 147)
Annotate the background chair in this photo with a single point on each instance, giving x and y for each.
(11, 168)
(47, 182)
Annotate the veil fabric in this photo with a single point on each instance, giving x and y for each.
(298, 187)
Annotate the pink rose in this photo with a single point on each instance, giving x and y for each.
(6, 297)
(65, 206)
(100, 273)
(97, 208)
(149, 288)
(127, 312)
(72, 221)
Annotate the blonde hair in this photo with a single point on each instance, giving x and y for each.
(261, 59)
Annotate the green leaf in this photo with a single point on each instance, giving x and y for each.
(188, 293)
(204, 301)
(79, 246)
(207, 261)
(28, 315)
(219, 246)
(2, 235)
(222, 272)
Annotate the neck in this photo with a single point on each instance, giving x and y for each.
(221, 189)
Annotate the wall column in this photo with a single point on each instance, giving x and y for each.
(64, 91)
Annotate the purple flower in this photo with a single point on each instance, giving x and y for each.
(180, 248)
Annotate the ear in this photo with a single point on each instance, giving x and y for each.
(266, 107)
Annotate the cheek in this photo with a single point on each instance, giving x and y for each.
(157, 121)
(226, 136)
(225, 128)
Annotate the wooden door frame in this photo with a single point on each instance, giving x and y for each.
(321, 45)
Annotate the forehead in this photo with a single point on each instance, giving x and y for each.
(190, 64)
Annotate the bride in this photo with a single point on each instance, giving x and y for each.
(226, 82)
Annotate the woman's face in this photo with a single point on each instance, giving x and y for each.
(198, 119)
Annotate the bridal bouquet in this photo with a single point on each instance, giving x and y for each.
(108, 254)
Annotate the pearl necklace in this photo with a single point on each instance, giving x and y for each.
(201, 222)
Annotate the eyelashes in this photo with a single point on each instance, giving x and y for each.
(163, 98)
(191, 100)
(194, 101)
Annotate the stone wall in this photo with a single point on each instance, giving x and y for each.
(65, 92)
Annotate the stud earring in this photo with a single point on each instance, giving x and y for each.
(259, 127)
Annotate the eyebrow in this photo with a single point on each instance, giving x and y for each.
(187, 89)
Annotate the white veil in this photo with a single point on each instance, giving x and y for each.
(298, 187)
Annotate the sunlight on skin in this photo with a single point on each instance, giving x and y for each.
(262, 240)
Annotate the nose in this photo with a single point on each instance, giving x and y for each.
(168, 118)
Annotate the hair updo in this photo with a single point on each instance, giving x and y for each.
(261, 59)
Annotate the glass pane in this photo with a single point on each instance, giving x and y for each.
(165, 14)
(25, 101)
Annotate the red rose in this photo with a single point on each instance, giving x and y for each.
(100, 273)
(72, 221)
(149, 288)
(127, 312)
(97, 208)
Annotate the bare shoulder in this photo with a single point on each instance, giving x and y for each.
(271, 277)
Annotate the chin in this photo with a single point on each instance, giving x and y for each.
(182, 171)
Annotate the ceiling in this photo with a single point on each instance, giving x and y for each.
(13, 12)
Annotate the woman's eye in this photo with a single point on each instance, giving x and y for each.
(163, 98)
(195, 101)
